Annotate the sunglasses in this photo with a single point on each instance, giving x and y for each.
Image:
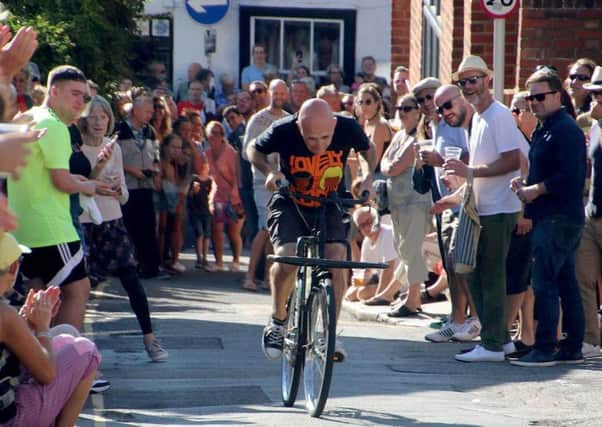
(421, 100)
(580, 77)
(445, 106)
(406, 108)
(366, 102)
(539, 97)
(472, 80)
(258, 90)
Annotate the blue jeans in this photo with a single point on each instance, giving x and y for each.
(555, 241)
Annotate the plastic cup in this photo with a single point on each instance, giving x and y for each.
(426, 145)
(452, 153)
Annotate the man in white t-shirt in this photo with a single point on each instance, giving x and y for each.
(494, 160)
(377, 247)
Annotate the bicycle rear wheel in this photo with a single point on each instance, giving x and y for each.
(292, 352)
(321, 335)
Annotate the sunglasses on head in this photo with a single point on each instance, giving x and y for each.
(580, 77)
(539, 97)
(472, 80)
(406, 108)
(365, 102)
(421, 100)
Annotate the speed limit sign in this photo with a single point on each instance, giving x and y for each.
(499, 9)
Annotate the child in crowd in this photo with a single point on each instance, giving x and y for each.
(199, 214)
(169, 197)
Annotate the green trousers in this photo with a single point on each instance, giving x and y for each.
(488, 280)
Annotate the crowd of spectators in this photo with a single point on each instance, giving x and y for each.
(118, 185)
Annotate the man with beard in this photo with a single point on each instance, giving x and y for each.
(494, 160)
(260, 121)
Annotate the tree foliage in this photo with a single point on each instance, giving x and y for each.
(94, 35)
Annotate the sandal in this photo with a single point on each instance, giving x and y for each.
(377, 301)
(404, 311)
(249, 285)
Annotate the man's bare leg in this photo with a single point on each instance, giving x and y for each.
(282, 281)
(74, 297)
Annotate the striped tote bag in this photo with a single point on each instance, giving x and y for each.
(465, 239)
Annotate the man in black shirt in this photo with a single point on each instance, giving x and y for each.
(553, 195)
(313, 146)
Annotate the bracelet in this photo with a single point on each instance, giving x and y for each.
(45, 334)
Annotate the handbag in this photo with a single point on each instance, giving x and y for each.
(465, 239)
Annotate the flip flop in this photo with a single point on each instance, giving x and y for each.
(249, 285)
(376, 301)
(404, 311)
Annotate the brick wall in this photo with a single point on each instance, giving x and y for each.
(400, 34)
(557, 32)
(415, 64)
(451, 45)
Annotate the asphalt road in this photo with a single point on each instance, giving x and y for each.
(217, 375)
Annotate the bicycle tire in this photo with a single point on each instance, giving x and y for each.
(292, 352)
(318, 362)
(326, 263)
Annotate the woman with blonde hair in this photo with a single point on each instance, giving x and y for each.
(375, 125)
(161, 120)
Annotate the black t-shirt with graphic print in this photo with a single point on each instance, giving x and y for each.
(312, 174)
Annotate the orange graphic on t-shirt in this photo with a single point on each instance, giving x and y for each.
(316, 175)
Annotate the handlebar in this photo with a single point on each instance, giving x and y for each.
(332, 197)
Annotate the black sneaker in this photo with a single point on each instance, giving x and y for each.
(100, 385)
(569, 358)
(535, 358)
(522, 349)
(273, 340)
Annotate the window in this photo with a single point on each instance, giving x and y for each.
(315, 43)
(317, 36)
(431, 32)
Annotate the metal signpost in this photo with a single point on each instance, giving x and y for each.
(499, 10)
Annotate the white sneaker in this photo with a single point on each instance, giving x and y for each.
(509, 348)
(156, 352)
(444, 334)
(179, 267)
(340, 354)
(469, 330)
(590, 350)
(480, 354)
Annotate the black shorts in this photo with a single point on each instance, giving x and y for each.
(518, 264)
(55, 265)
(201, 225)
(285, 224)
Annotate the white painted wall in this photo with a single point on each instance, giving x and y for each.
(373, 35)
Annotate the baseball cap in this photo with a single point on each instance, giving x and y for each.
(10, 250)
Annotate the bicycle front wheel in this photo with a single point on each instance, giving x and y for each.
(321, 335)
(292, 352)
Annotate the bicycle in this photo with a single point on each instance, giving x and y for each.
(310, 328)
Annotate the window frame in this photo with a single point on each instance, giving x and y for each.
(347, 16)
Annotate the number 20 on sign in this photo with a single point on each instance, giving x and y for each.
(499, 9)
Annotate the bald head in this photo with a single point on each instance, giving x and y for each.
(452, 107)
(316, 123)
(447, 91)
(278, 94)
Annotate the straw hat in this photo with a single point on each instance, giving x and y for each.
(596, 80)
(472, 63)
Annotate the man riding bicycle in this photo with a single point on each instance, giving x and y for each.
(313, 146)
